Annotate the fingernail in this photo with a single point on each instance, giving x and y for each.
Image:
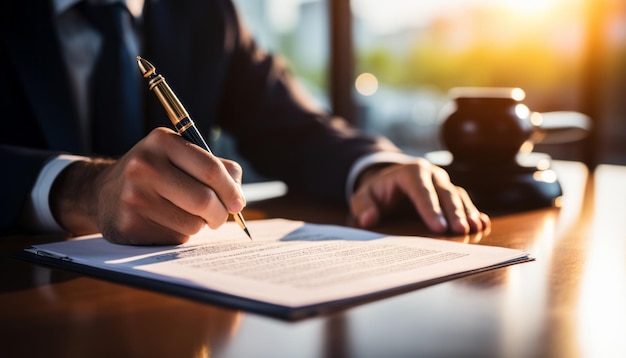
(443, 222)
(463, 226)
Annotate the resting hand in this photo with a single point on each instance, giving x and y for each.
(160, 192)
(442, 205)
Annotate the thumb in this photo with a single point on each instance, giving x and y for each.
(364, 208)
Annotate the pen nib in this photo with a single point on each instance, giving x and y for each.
(239, 219)
(247, 233)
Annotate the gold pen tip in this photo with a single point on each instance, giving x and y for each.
(247, 233)
(147, 69)
(242, 224)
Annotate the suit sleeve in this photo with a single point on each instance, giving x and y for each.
(279, 129)
(23, 148)
(24, 166)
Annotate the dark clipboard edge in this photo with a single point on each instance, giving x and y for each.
(241, 303)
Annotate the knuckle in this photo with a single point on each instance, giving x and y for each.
(203, 199)
(217, 221)
(419, 169)
(135, 166)
(130, 197)
(440, 173)
(209, 168)
(421, 166)
(159, 137)
(234, 169)
(422, 163)
(161, 132)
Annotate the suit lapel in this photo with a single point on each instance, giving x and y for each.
(37, 57)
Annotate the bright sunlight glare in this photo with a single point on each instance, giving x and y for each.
(366, 84)
(393, 15)
(530, 7)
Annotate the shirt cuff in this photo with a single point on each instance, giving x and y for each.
(372, 159)
(42, 219)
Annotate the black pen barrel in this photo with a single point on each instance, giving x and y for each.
(189, 131)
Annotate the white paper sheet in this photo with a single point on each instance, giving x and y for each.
(289, 263)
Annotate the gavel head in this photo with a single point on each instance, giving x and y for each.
(486, 125)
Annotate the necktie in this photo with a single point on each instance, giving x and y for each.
(115, 112)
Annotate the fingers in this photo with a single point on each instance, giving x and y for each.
(476, 220)
(460, 213)
(192, 197)
(442, 205)
(451, 201)
(220, 175)
(365, 208)
(166, 189)
(383, 191)
(167, 195)
(425, 196)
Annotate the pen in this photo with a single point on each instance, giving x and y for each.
(178, 115)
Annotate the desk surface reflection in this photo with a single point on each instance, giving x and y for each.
(567, 303)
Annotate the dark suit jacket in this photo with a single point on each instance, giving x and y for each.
(213, 66)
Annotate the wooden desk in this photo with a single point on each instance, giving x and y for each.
(570, 302)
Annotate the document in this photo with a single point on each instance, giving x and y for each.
(292, 268)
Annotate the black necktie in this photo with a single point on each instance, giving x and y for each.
(115, 112)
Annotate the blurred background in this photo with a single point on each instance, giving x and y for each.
(387, 66)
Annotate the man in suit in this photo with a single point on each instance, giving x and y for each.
(142, 185)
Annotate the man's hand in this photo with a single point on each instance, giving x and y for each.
(160, 192)
(442, 205)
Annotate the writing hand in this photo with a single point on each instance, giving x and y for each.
(160, 192)
(442, 205)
